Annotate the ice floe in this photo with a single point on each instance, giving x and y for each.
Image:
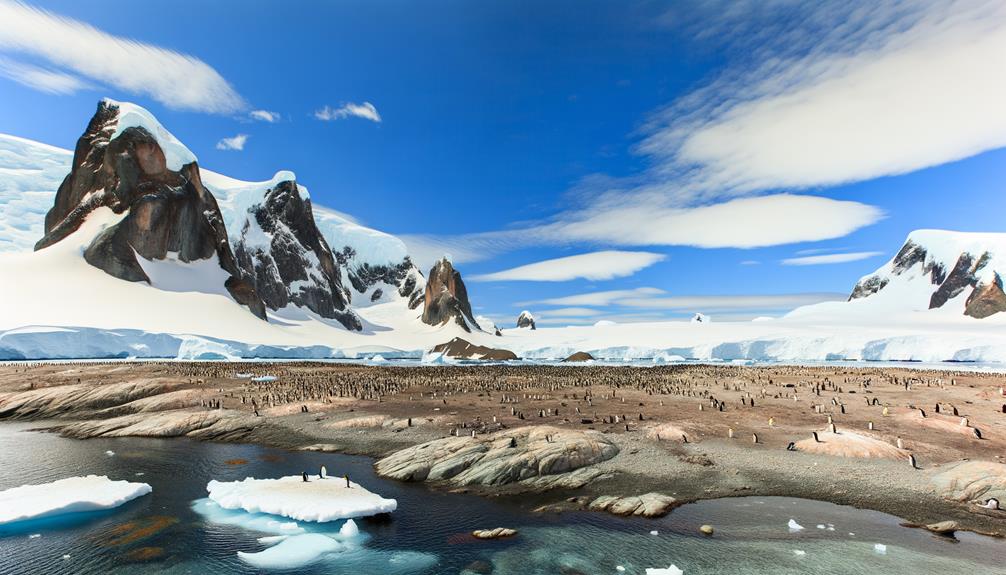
(65, 496)
(794, 526)
(292, 552)
(318, 500)
(672, 570)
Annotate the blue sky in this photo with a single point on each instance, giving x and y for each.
(704, 142)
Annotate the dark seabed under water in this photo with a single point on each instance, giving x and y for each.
(169, 530)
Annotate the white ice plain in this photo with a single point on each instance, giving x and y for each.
(66, 496)
(318, 500)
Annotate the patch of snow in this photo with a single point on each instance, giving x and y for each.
(131, 115)
(880, 549)
(65, 496)
(318, 500)
(30, 174)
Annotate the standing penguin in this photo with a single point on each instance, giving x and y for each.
(303, 474)
(816, 438)
(323, 472)
(901, 444)
(912, 462)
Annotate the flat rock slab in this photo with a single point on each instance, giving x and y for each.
(500, 458)
(497, 533)
(646, 505)
(972, 481)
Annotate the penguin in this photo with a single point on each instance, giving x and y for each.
(901, 444)
(922, 412)
(832, 428)
(912, 462)
(303, 474)
(886, 412)
(730, 432)
(870, 426)
(323, 472)
(991, 503)
(964, 422)
(937, 408)
(754, 438)
(684, 438)
(816, 438)
(955, 411)
(791, 446)
(975, 431)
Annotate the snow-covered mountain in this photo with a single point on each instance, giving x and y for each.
(957, 272)
(526, 320)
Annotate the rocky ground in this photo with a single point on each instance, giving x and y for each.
(619, 439)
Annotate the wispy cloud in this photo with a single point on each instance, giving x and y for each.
(366, 110)
(603, 265)
(41, 79)
(597, 298)
(825, 93)
(733, 302)
(812, 95)
(264, 116)
(176, 80)
(234, 143)
(829, 259)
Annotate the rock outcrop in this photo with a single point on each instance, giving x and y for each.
(579, 356)
(518, 455)
(213, 424)
(953, 264)
(446, 298)
(646, 505)
(972, 481)
(161, 207)
(463, 349)
(525, 320)
(288, 260)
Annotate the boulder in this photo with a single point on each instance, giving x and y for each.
(579, 356)
(646, 505)
(496, 533)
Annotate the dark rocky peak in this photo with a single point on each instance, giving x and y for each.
(282, 252)
(403, 277)
(525, 319)
(446, 298)
(464, 349)
(159, 195)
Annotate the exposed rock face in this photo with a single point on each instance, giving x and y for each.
(446, 298)
(215, 424)
(525, 320)
(579, 356)
(281, 250)
(519, 455)
(363, 277)
(927, 255)
(974, 481)
(464, 349)
(986, 300)
(165, 209)
(81, 399)
(646, 505)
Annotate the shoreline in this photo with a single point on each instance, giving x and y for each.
(709, 466)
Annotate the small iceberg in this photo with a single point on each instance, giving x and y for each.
(318, 500)
(66, 496)
(292, 552)
(794, 526)
(264, 378)
(672, 570)
(880, 549)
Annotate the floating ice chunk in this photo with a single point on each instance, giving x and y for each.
(264, 378)
(349, 529)
(318, 500)
(619, 568)
(71, 495)
(272, 539)
(109, 453)
(654, 532)
(293, 552)
(672, 570)
(34, 536)
(244, 375)
(794, 526)
(820, 526)
(880, 549)
(378, 358)
(252, 521)
(799, 552)
(66, 557)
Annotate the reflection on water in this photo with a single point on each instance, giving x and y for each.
(169, 532)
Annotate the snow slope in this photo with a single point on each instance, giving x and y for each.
(30, 173)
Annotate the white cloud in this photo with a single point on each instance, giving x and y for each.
(597, 298)
(569, 312)
(41, 79)
(366, 110)
(234, 143)
(264, 116)
(602, 265)
(824, 94)
(829, 258)
(732, 302)
(176, 80)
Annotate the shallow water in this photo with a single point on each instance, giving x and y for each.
(428, 534)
